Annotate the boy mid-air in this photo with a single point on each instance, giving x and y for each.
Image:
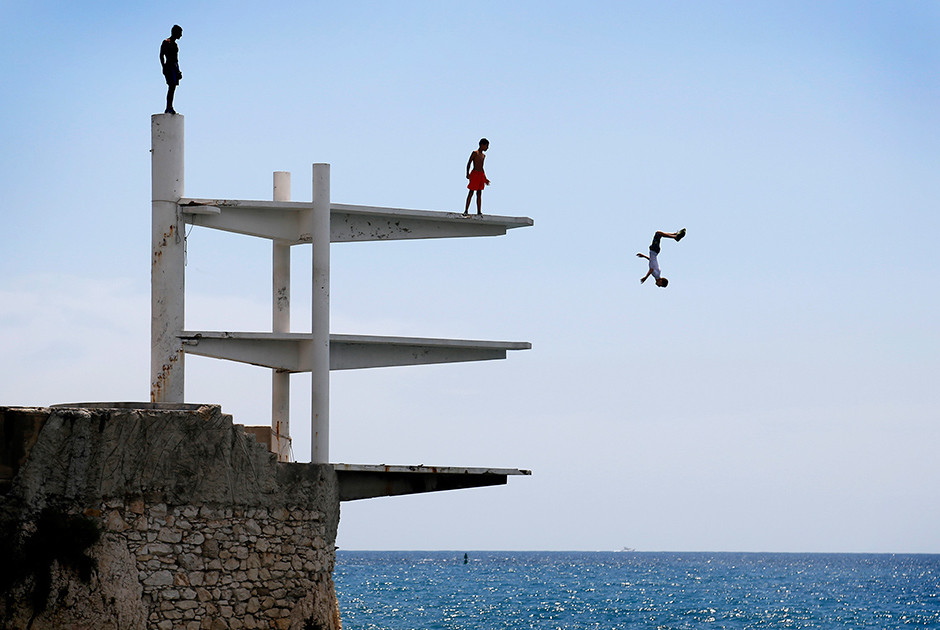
(477, 176)
(654, 253)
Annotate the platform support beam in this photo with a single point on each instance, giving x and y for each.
(319, 231)
(167, 262)
(280, 379)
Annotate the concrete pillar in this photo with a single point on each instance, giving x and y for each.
(280, 380)
(319, 230)
(167, 263)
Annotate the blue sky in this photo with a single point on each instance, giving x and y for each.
(780, 395)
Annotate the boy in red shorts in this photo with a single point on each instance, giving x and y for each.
(477, 176)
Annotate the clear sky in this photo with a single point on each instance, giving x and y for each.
(780, 395)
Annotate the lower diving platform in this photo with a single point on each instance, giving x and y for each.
(368, 481)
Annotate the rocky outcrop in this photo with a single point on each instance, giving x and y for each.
(185, 522)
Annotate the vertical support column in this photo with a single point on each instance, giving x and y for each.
(320, 347)
(280, 379)
(167, 263)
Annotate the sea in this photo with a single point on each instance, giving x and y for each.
(477, 590)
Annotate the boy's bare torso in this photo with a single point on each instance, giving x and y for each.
(477, 158)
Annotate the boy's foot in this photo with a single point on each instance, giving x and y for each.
(479, 214)
(680, 234)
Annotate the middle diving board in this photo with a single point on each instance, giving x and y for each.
(290, 352)
(290, 222)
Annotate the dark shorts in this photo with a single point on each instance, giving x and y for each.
(172, 75)
(654, 246)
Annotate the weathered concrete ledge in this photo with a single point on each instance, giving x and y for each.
(159, 516)
(367, 481)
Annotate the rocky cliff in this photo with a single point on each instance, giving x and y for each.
(148, 516)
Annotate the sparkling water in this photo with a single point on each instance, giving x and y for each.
(670, 591)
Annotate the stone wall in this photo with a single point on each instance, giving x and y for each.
(195, 525)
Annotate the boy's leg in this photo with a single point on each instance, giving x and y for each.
(673, 235)
(479, 202)
(466, 207)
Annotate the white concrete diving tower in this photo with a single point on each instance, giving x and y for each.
(287, 223)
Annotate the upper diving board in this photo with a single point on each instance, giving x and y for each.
(289, 221)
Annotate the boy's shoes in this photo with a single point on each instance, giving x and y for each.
(680, 234)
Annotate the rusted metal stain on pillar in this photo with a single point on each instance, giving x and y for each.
(157, 393)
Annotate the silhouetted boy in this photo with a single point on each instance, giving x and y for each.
(477, 176)
(169, 59)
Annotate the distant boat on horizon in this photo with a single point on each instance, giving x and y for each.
(627, 549)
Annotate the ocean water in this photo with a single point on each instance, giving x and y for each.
(626, 590)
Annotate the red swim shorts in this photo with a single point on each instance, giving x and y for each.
(477, 180)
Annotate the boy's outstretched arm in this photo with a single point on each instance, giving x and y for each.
(643, 279)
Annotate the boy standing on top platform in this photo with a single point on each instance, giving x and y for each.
(654, 254)
(477, 176)
(169, 59)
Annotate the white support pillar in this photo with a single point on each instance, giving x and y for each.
(280, 379)
(167, 263)
(319, 231)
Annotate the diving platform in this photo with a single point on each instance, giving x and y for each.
(287, 221)
(289, 352)
(368, 481)
(315, 224)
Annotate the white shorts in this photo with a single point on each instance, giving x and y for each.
(654, 265)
